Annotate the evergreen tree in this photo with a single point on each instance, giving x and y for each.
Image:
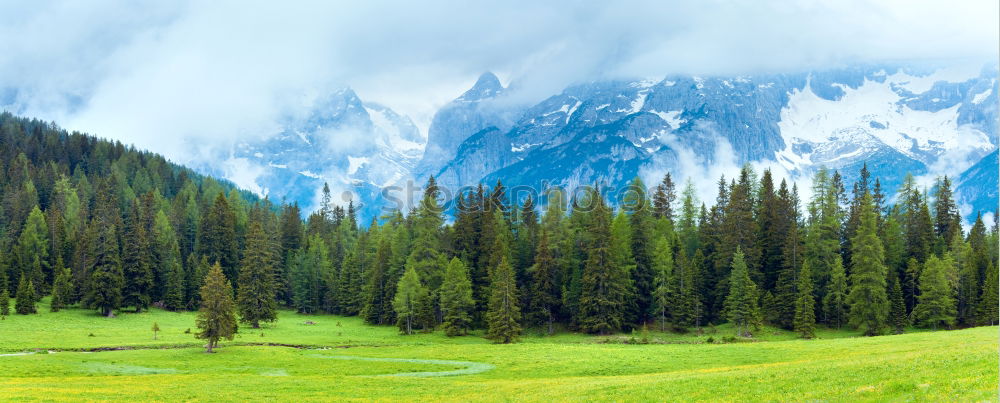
(409, 292)
(62, 288)
(456, 299)
(217, 240)
(867, 298)
(947, 220)
(988, 311)
(967, 279)
(25, 299)
(935, 304)
(136, 262)
(106, 278)
(307, 274)
(167, 260)
(663, 198)
(376, 309)
(504, 315)
(544, 284)
(742, 308)
(835, 307)
(664, 296)
(4, 301)
(217, 316)
(604, 282)
(805, 314)
(641, 242)
(31, 255)
(425, 253)
(897, 307)
(256, 290)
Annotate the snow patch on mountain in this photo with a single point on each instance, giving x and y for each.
(873, 109)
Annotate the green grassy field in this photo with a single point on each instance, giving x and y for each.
(347, 360)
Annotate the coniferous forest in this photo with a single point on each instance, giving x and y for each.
(101, 225)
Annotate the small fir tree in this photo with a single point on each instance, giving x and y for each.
(217, 316)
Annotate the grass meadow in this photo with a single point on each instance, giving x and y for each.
(59, 356)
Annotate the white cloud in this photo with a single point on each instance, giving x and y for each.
(164, 74)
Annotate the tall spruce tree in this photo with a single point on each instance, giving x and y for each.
(641, 240)
(62, 288)
(504, 314)
(742, 308)
(376, 308)
(456, 299)
(897, 307)
(255, 291)
(217, 316)
(805, 311)
(137, 261)
(409, 292)
(988, 312)
(835, 306)
(664, 295)
(604, 284)
(106, 278)
(935, 306)
(25, 298)
(544, 284)
(31, 255)
(867, 298)
(217, 239)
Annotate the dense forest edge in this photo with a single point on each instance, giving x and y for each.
(103, 226)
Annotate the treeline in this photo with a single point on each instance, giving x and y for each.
(109, 228)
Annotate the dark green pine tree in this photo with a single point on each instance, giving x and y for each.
(217, 316)
(375, 307)
(503, 317)
(409, 292)
(106, 278)
(867, 298)
(805, 311)
(306, 275)
(935, 305)
(641, 238)
(968, 286)
(742, 308)
(663, 198)
(456, 299)
(604, 284)
(947, 220)
(31, 255)
(897, 306)
(917, 223)
(621, 252)
(664, 295)
(255, 287)
(194, 277)
(217, 240)
(739, 229)
(544, 284)
(137, 261)
(426, 256)
(988, 312)
(835, 307)
(62, 287)
(25, 300)
(167, 261)
(792, 259)
(4, 301)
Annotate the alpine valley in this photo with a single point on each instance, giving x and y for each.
(897, 119)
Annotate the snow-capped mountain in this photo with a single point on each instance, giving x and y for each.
(356, 147)
(897, 119)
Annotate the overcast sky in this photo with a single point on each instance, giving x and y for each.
(156, 73)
